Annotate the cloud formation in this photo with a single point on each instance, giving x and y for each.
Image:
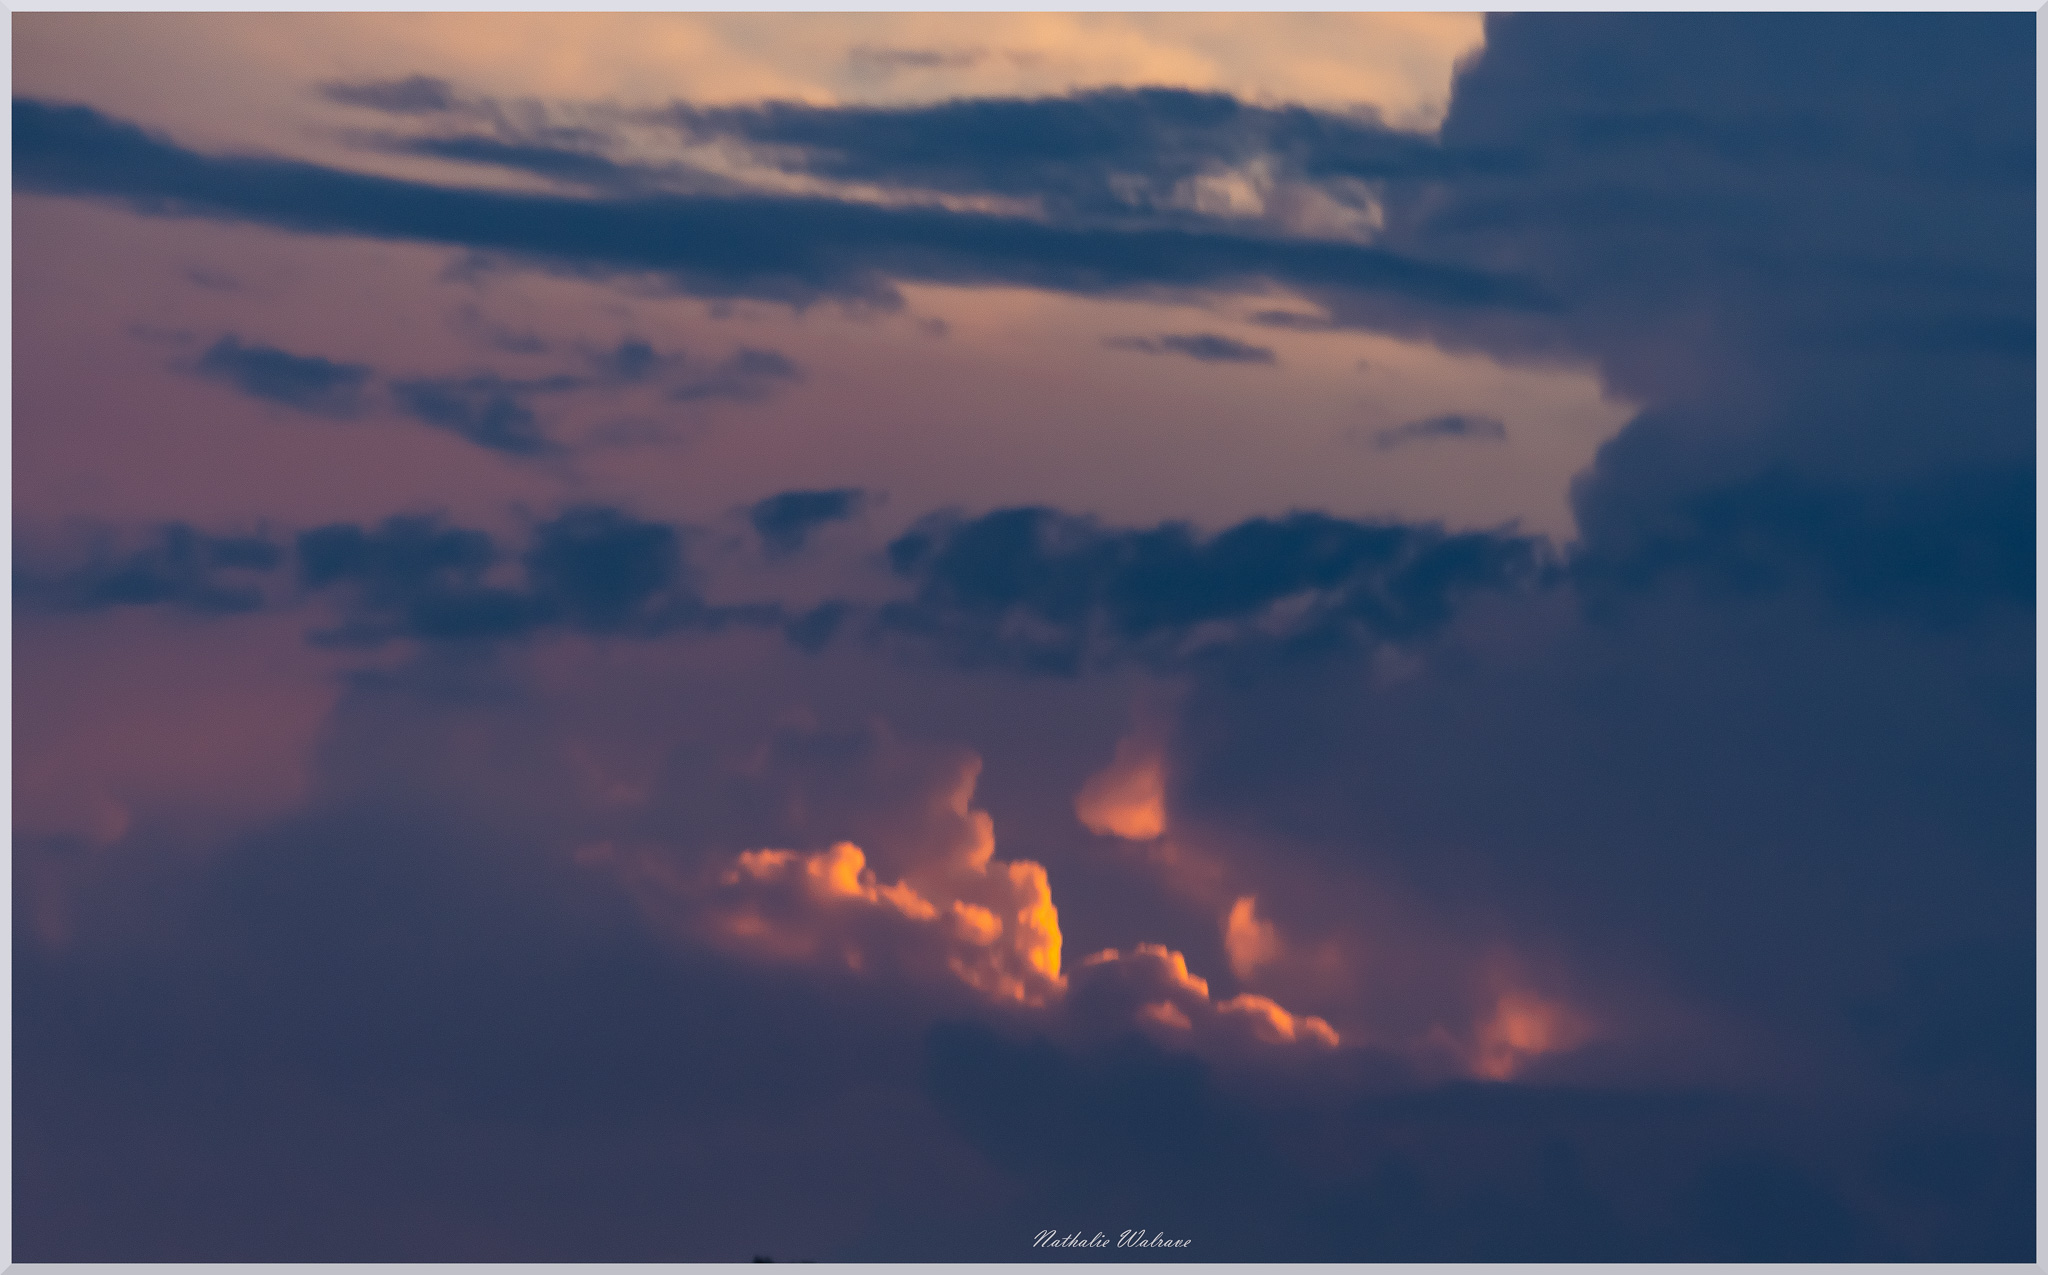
(1465, 425)
(786, 521)
(305, 382)
(1202, 347)
(774, 248)
(174, 565)
(1058, 593)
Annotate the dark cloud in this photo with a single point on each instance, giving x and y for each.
(1943, 549)
(488, 410)
(1203, 347)
(632, 360)
(1485, 429)
(604, 571)
(412, 95)
(1060, 593)
(591, 569)
(1108, 152)
(785, 521)
(306, 382)
(176, 565)
(557, 163)
(1292, 320)
(788, 249)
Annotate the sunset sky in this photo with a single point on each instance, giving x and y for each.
(654, 637)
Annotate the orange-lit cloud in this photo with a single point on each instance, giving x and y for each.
(1523, 1028)
(1249, 941)
(953, 915)
(909, 892)
(1151, 986)
(1126, 798)
(998, 932)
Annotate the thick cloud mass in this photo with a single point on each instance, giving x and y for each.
(1368, 888)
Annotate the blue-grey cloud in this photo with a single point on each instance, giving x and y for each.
(305, 382)
(785, 521)
(487, 410)
(747, 375)
(1114, 152)
(411, 95)
(176, 565)
(1465, 425)
(1058, 593)
(591, 569)
(1203, 347)
(790, 249)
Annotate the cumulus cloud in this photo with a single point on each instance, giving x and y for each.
(954, 915)
(1150, 985)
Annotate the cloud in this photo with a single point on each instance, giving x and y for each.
(176, 565)
(487, 410)
(947, 913)
(786, 249)
(785, 521)
(591, 569)
(955, 913)
(305, 382)
(1058, 593)
(1203, 347)
(1110, 152)
(877, 60)
(1150, 986)
(412, 95)
(1249, 941)
(746, 376)
(1127, 798)
(1483, 429)
(558, 163)
(604, 571)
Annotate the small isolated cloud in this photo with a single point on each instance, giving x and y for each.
(1294, 321)
(1247, 940)
(1203, 347)
(411, 95)
(1126, 798)
(1482, 429)
(750, 374)
(633, 360)
(784, 522)
(487, 410)
(877, 60)
(304, 382)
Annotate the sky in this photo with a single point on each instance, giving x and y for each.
(859, 637)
